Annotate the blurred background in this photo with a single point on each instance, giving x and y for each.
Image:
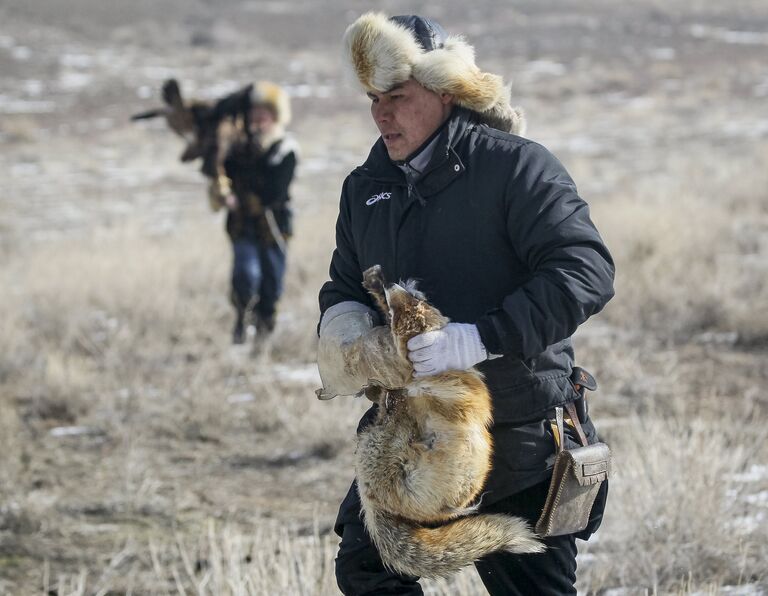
(141, 453)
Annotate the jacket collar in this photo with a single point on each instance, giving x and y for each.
(444, 166)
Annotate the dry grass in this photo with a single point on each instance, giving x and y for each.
(132, 352)
(694, 257)
(121, 333)
(684, 506)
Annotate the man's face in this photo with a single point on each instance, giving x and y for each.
(407, 115)
(262, 119)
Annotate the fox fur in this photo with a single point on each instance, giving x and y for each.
(209, 128)
(422, 463)
(193, 121)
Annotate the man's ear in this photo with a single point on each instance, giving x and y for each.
(446, 98)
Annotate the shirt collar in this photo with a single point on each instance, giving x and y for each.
(417, 163)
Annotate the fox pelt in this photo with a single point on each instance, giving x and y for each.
(209, 128)
(422, 463)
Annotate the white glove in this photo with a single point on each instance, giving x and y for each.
(457, 346)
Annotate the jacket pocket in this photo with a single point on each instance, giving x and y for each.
(526, 402)
(506, 373)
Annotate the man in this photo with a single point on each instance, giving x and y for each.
(254, 188)
(492, 227)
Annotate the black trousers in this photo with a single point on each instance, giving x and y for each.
(360, 571)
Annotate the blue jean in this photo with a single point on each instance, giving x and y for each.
(257, 277)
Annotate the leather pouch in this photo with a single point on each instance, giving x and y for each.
(576, 479)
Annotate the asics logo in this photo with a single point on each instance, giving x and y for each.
(382, 196)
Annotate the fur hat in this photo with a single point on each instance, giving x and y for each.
(383, 52)
(274, 97)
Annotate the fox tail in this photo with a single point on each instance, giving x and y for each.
(413, 549)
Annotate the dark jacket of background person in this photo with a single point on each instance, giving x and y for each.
(260, 180)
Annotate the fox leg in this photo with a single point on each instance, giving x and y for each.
(373, 281)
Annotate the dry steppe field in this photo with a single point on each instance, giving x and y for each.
(140, 453)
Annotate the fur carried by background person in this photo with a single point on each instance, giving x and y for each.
(423, 461)
(208, 127)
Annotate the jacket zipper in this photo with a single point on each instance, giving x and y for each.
(412, 190)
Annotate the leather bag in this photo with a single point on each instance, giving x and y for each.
(576, 479)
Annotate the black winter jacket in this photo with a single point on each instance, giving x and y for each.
(497, 235)
(266, 174)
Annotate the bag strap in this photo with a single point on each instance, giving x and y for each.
(576, 424)
(560, 438)
(582, 381)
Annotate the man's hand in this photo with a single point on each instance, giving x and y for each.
(457, 346)
(231, 202)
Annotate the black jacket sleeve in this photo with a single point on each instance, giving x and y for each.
(277, 180)
(571, 270)
(345, 273)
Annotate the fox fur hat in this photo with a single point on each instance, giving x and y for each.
(383, 52)
(275, 98)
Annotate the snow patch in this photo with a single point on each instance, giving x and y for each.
(77, 60)
(75, 431)
(539, 68)
(33, 87)
(21, 53)
(297, 373)
(760, 499)
(74, 81)
(745, 590)
(755, 473)
(729, 36)
(12, 105)
(241, 398)
(304, 90)
(662, 53)
(747, 524)
(580, 144)
(750, 129)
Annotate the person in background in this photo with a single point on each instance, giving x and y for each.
(254, 187)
